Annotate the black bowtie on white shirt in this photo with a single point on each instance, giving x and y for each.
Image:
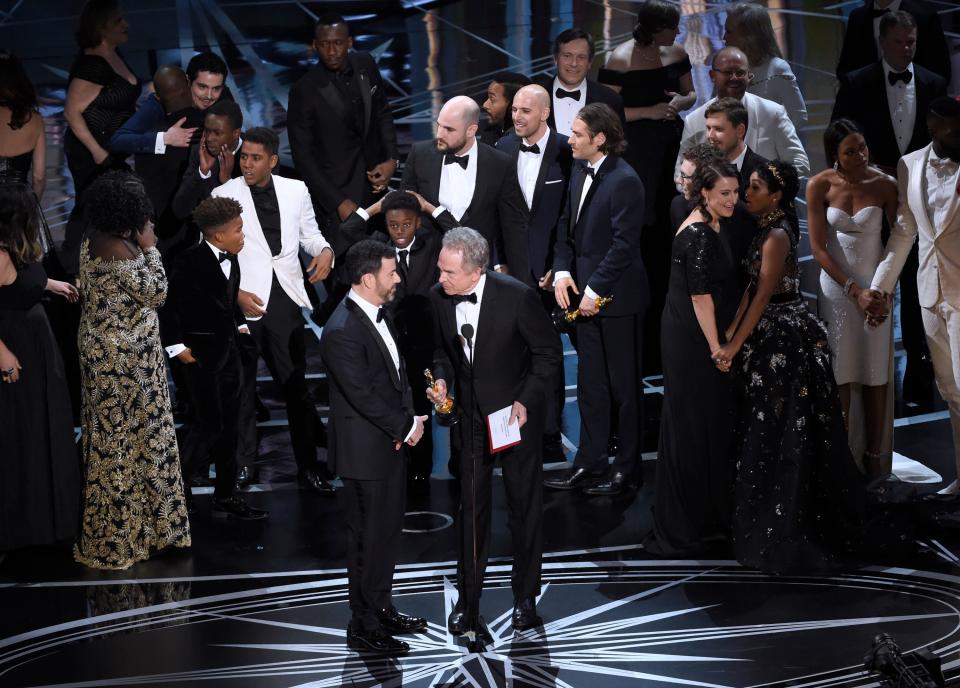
(566, 109)
(902, 102)
(587, 183)
(469, 313)
(457, 184)
(528, 167)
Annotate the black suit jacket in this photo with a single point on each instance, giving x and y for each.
(863, 98)
(497, 209)
(328, 152)
(860, 49)
(596, 93)
(751, 161)
(194, 188)
(549, 195)
(517, 350)
(371, 406)
(601, 248)
(201, 311)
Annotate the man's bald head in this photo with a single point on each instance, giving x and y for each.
(463, 108)
(531, 110)
(172, 88)
(730, 72)
(457, 124)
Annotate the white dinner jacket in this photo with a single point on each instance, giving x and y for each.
(939, 248)
(770, 133)
(298, 227)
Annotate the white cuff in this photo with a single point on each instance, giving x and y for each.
(590, 293)
(243, 329)
(175, 350)
(362, 213)
(205, 176)
(561, 274)
(498, 266)
(410, 434)
(159, 148)
(438, 211)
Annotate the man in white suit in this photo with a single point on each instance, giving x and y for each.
(929, 181)
(770, 135)
(278, 219)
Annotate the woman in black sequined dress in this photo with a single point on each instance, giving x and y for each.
(799, 498)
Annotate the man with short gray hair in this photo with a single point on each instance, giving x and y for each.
(496, 350)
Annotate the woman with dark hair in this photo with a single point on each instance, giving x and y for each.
(846, 205)
(40, 489)
(692, 505)
(101, 95)
(133, 502)
(22, 141)
(652, 74)
(799, 498)
(749, 28)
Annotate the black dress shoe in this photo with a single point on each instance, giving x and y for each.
(571, 479)
(525, 615)
(375, 641)
(235, 507)
(613, 485)
(310, 480)
(396, 622)
(246, 476)
(458, 622)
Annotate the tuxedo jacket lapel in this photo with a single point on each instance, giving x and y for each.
(576, 190)
(433, 167)
(330, 94)
(597, 181)
(363, 81)
(479, 187)
(378, 340)
(549, 155)
(252, 231)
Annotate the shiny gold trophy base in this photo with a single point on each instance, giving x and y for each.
(445, 414)
(564, 320)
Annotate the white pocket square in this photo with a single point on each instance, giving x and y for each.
(554, 181)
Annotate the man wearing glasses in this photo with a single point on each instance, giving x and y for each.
(770, 134)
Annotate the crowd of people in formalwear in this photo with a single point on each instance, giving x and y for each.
(670, 241)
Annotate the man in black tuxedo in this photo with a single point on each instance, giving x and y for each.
(889, 99)
(499, 105)
(371, 417)
(468, 183)
(598, 255)
(202, 324)
(570, 89)
(543, 161)
(862, 38)
(497, 350)
(417, 249)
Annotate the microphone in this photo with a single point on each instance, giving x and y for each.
(466, 331)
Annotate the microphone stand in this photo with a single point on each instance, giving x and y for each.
(466, 330)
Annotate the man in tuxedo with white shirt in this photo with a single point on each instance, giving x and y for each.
(467, 183)
(371, 418)
(770, 135)
(278, 220)
(570, 88)
(929, 191)
(543, 159)
(889, 99)
(497, 350)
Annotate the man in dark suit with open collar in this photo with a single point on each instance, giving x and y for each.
(202, 323)
(860, 41)
(496, 349)
(543, 161)
(371, 418)
(598, 254)
(570, 88)
(467, 183)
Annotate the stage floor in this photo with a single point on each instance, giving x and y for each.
(263, 604)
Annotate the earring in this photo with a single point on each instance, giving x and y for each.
(836, 165)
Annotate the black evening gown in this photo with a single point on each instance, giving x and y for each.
(800, 499)
(694, 472)
(39, 463)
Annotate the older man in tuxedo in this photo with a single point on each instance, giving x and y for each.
(929, 185)
(278, 220)
(771, 134)
(497, 350)
(467, 183)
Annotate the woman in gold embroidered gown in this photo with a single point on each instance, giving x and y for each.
(133, 501)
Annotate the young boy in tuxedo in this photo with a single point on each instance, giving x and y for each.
(202, 324)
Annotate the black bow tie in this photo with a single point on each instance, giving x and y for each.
(905, 76)
(560, 93)
(380, 314)
(223, 256)
(530, 149)
(450, 159)
(460, 298)
(589, 171)
(878, 13)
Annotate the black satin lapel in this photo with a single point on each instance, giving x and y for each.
(394, 376)
(366, 96)
(332, 96)
(575, 192)
(549, 155)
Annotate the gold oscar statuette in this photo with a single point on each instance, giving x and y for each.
(444, 408)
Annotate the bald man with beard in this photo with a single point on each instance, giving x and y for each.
(462, 182)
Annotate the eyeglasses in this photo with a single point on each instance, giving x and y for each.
(734, 73)
(685, 176)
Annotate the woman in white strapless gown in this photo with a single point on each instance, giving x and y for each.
(845, 210)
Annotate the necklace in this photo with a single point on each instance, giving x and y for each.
(769, 218)
(656, 54)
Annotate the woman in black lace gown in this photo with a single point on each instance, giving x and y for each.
(692, 503)
(39, 465)
(799, 497)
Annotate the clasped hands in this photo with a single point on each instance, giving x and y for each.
(588, 306)
(874, 304)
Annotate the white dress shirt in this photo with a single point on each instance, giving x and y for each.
(738, 161)
(457, 184)
(940, 177)
(467, 312)
(566, 109)
(528, 168)
(587, 183)
(902, 101)
(407, 255)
